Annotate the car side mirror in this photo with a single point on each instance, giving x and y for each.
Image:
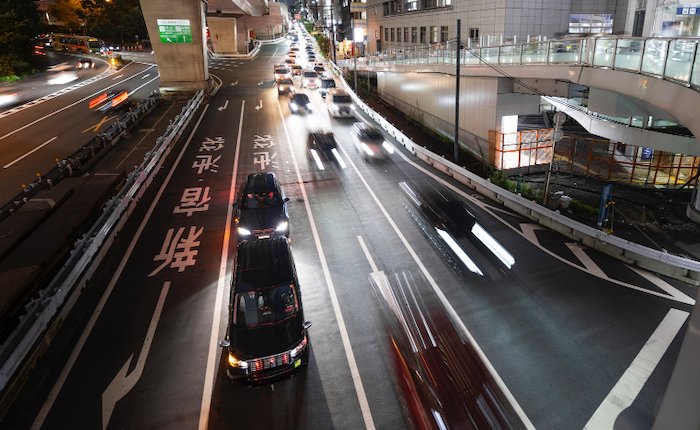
(286, 199)
(225, 343)
(307, 325)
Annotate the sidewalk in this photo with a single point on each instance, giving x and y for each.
(651, 217)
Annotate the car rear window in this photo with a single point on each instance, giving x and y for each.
(327, 83)
(344, 98)
(281, 71)
(310, 75)
(268, 306)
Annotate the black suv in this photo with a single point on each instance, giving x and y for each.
(267, 335)
(261, 210)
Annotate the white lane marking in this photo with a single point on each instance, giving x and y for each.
(208, 389)
(117, 77)
(529, 231)
(123, 383)
(150, 130)
(670, 289)
(30, 152)
(585, 259)
(145, 76)
(485, 208)
(224, 106)
(72, 104)
(347, 347)
(143, 85)
(630, 384)
(48, 404)
(367, 254)
(447, 305)
(258, 107)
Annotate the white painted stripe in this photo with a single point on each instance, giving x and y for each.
(447, 305)
(349, 355)
(220, 289)
(528, 230)
(587, 262)
(630, 384)
(48, 404)
(670, 289)
(30, 152)
(69, 106)
(367, 254)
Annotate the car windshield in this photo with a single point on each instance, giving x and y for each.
(284, 81)
(327, 83)
(261, 200)
(281, 71)
(310, 75)
(342, 99)
(264, 307)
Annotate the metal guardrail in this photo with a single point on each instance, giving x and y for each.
(80, 159)
(654, 260)
(45, 313)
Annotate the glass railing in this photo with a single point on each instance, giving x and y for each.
(668, 58)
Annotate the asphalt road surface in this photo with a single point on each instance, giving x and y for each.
(567, 330)
(57, 120)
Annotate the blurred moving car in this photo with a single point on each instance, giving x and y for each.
(284, 85)
(447, 219)
(369, 141)
(326, 84)
(289, 61)
(322, 146)
(299, 103)
(85, 63)
(309, 79)
(105, 102)
(261, 208)
(282, 71)
(267, 336)
(8, 96)
(296, 69)
(340, 104)
(443, 379)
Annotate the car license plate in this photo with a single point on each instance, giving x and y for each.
(264, 236)
(297, 363)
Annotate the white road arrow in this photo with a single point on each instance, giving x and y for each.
(528, 230)
(233, 84)
(259, 107)
(123, 383)
(224, 106)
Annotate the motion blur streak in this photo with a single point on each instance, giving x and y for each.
(459, 252)
(317, 159)
(339, 158)
(493, 246)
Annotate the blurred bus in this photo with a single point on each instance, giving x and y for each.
(78, 44)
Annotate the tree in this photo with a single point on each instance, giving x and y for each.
(19, 24)
(70, 13)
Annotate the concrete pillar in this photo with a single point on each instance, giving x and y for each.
(177, 32)
(223, 32)
(693, 210)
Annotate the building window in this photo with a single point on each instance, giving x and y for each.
(359, 15)
(443, 33)
(385, 6)
(406, 34)
(381, 32)
(592, 23)
(474, 33)
(392, 34)
(411, 5)
(398, 34)
(386, 34)
(414, 35)
(422, 34)
(433, 34)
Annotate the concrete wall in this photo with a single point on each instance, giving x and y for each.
(224, 34)
(182, 66)
(264, 27)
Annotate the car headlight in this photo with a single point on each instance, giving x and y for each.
(234, 362)
(243, 231)
(293, 106)
(297, 349)
(367, 149)
(352, 107)
(282, 226)
(308, 106)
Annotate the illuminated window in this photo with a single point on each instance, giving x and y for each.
(443, 33)
(414, 35)
(422, 34)
(591, 23)
(433, 34)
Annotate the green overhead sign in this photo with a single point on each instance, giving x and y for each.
(174, 31)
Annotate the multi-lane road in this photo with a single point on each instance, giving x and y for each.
(574, 336)
(57, 120)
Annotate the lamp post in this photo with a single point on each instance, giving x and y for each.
(457, 79)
